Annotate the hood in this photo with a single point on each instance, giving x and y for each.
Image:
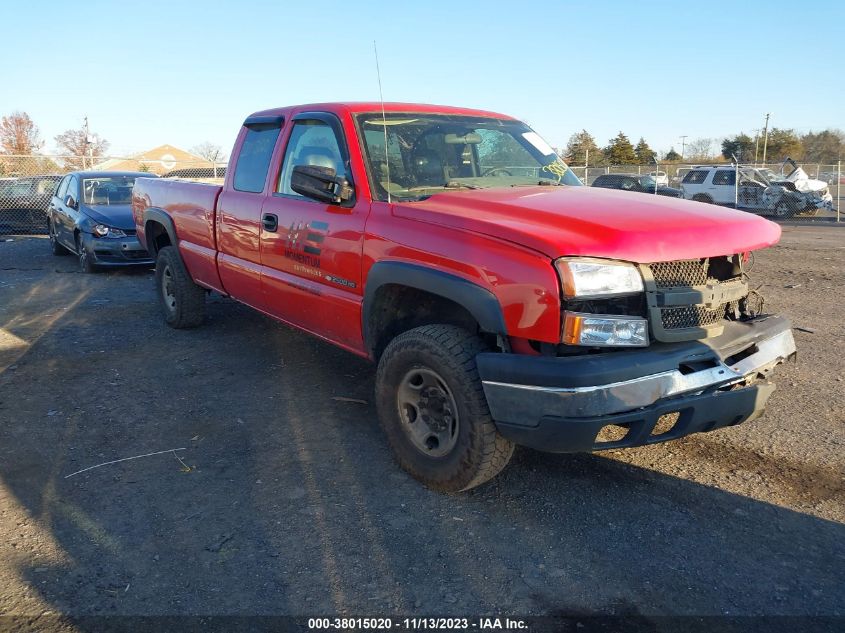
(596, 222)
(804, 183)
(810, 185)
(118, 216)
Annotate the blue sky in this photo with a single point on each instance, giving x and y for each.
(186, 72)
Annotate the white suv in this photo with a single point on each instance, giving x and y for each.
(713, 184)
(757, 191)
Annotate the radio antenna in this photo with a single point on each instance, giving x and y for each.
(383, 121)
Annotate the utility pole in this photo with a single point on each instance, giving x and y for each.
(766, 136)
(683, 145)
(586, 163)
(85, 142)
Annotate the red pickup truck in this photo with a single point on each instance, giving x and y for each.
(503, 302)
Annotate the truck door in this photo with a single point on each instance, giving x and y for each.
(239, 212)
(311, 251)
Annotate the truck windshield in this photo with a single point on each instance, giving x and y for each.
(427, 153)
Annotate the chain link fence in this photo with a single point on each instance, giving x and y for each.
(27, 183)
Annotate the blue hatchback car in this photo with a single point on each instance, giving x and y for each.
(91, 215)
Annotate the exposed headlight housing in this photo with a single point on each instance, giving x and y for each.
(595, 278)
(604, 330)
(101, 230)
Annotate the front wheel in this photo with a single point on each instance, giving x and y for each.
(784, 209)
(85, 259)
(182, 301)
(432, 408)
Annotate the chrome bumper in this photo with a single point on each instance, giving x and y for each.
(526, 404)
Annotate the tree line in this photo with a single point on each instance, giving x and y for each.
(20, 136)
(78, 148)
(826, 146)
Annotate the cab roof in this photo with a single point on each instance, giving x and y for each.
(358, 107)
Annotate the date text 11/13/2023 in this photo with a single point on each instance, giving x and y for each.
(417, 624)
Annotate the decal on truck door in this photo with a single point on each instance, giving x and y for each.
(303, 243)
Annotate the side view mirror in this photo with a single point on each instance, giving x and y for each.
(70, 202)
(320, 183)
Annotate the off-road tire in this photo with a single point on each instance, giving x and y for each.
(182, 301)
(55, 247)
(479, 453)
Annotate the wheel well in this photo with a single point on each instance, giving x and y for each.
(702, 197)
(157, 237)
(396, 309)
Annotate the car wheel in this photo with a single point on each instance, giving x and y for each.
(432, 409)
(182, 301)
(86, 261)
(784, 209)
(700, 197)
(55, 247)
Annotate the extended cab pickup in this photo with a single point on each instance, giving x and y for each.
(504, 303)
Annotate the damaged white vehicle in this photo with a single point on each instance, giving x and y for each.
(760, 190)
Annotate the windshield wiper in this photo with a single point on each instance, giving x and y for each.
(540, 183)
(457, 184)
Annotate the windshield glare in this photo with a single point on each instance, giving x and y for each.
(108, 190)
(647, 182)
(430, 152)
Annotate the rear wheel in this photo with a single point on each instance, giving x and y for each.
(433, 411)
(55, 247)
(700, 197)
(182, 301)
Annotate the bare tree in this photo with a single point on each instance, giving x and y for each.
(19, 135)
(699, 149)
(81, 147)
(210, 152)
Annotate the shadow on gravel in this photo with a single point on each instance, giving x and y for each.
(287, 501)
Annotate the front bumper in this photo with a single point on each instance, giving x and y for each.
(561, 404)
(123, 251)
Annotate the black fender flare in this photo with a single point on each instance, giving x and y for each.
(153, 214)
(479, 302)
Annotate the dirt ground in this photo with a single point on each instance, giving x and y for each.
(286, 500)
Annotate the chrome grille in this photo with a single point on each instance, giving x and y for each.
(688, 272)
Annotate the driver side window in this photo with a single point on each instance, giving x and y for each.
(311, 143)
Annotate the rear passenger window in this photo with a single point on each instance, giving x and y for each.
(254, 159)
(724, 177)
(695, 177)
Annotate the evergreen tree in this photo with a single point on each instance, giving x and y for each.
(620, 151)
(742, 146)
(783, 143)
(582, 149)
(672, 155)
(645, 154)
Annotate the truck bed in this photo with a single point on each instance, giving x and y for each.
(192, 206)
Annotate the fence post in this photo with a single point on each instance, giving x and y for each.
(838, 188)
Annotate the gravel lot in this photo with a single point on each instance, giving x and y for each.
(287, 501)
